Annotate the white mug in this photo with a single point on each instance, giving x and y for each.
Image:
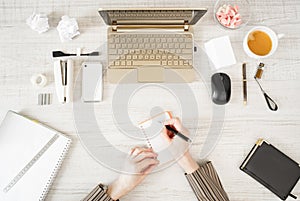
(273, 36)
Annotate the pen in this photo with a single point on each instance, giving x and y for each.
(244, 84)
(185, 138)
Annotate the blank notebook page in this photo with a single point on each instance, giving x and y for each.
(20, 140)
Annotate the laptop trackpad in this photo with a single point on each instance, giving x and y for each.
(150, 74)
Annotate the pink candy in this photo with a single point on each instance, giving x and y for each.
(229, 16)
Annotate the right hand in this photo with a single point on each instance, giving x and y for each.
(188, 164)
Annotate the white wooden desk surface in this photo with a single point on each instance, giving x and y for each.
(24, 53)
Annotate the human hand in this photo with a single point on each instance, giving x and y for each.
(186, 161)
(142, 162)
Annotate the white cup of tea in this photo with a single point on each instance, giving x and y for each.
(260, 42)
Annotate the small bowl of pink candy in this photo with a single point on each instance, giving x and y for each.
(232, 14)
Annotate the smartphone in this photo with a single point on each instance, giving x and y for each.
(92, 82)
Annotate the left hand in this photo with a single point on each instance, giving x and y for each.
(143, 160)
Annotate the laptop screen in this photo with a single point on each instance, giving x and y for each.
(154, 15)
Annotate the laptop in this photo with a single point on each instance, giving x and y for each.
(151, 45)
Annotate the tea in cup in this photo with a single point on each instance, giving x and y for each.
(260, 42)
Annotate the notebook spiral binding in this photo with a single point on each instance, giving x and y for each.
(146, 136)
(55, 171)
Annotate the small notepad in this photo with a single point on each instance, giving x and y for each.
(220, 52)
(21, 141)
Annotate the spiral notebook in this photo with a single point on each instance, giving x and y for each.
(30, 156)
(151, 129)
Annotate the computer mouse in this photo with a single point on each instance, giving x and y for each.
(221, 88)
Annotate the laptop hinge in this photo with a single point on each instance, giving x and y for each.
(186, 25)
(126, 25)
(114, 26)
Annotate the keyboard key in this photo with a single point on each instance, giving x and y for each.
(187, 56)
(189, 46)
(128, 63)
(187, 51)
(146, 63)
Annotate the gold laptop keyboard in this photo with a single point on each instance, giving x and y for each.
(128, 50)
(152, 15)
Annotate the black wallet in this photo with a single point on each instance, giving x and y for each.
(272, 168)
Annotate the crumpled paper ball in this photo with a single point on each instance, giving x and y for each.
(38, 22)
(67, 28)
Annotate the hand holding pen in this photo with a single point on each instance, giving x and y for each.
(180, 149)
(177, 133)
(173, 127)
